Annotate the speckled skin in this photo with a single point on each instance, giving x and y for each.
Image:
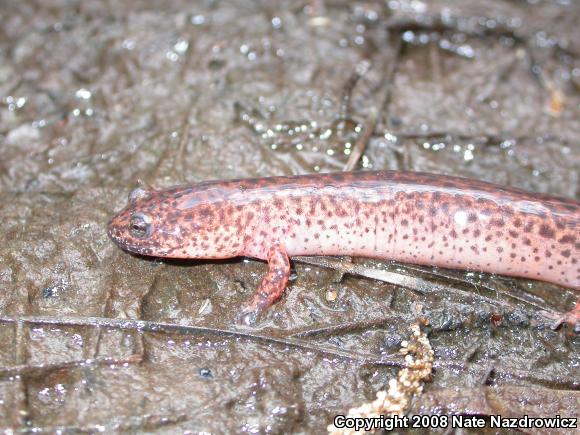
(407, 216)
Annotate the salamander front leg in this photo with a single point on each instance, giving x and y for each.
(271, 288)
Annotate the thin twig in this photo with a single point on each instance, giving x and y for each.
(378, 109)
(345, 107)
(141, 423)
(410, 282)
(172, 328)
(349, 327)
(480, 138)
(415, 283)
(35, 370)
(330, 351)
(362, 141)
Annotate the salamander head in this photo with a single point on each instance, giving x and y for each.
(156, 224)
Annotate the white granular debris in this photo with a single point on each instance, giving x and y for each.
(409, 381)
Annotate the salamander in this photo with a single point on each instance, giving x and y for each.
(412, 217)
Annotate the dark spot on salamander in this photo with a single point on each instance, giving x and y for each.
(546, 231)
(567, 239)
(566, 253)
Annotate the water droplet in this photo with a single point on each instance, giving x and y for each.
(181, 46)
(366, 163)
(409, 36)
(172, 56)
(197, 20)
(128, 44)
(83, 94)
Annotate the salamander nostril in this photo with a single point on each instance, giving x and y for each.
(140, 225)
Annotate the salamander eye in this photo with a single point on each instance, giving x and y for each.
(140, 225)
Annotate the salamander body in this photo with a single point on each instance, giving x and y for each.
(411, 217)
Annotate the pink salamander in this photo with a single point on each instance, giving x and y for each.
(406, 216)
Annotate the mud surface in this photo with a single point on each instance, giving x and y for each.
(98, 95)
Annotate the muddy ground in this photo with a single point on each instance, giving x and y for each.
(96, 97)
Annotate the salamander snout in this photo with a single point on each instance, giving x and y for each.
(133, 231)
